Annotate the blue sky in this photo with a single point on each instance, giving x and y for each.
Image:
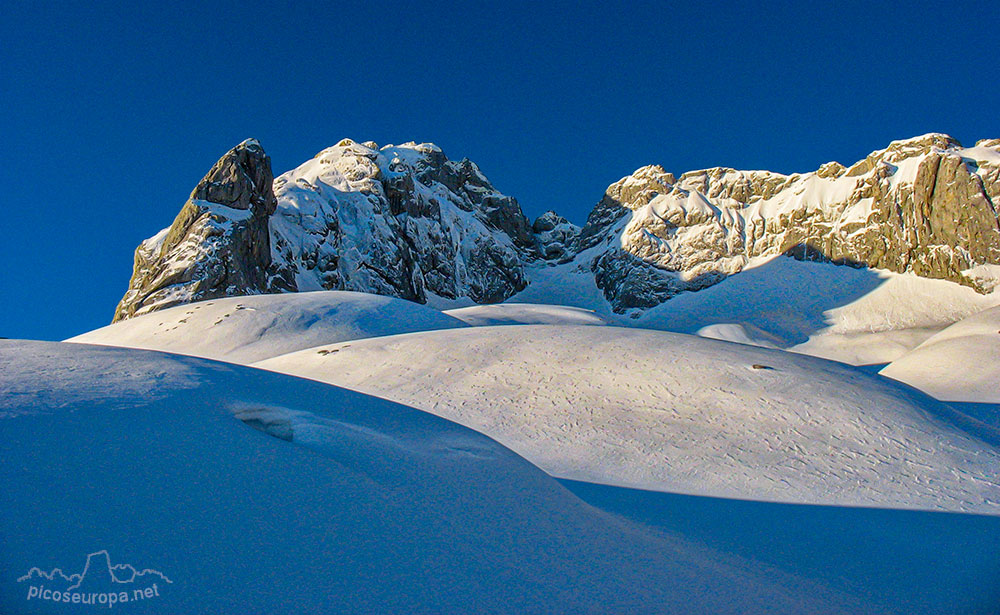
(112, 113)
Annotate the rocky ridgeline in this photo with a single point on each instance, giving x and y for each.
(924, 205)
(398, 220)
(407, 222)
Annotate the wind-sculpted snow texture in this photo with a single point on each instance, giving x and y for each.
(405, 221)
(679, 413)
(261, 493)
(924, 205)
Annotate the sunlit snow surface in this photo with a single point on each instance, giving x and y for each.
(260, 493)
(246, 329)
(680, 413)
(525, 314)
(961, 363)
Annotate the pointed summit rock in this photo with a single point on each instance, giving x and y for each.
(218, 245)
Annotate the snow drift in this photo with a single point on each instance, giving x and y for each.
(256, 327)
(961, 363)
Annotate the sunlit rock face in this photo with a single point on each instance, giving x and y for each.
(219, 244)
(924, 205)
(398, 220)
(402, 221)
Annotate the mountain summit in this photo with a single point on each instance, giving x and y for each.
(219, 244)
(405, 221)
(402, 221)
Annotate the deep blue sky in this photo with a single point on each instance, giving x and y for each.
(110, 114)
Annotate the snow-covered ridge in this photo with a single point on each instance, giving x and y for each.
(397, 220)
(257, 327)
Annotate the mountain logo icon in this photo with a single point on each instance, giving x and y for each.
(99, 583)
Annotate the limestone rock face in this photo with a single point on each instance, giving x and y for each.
(924, 205)
(406, 221)
(219, 244)
(399, 220)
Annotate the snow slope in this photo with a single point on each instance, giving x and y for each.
(252, 328)
(260, 493)
(961, 363)
(856, 316)
(679, 413)
(525, 314)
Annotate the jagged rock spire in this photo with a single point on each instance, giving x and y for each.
(218, 245)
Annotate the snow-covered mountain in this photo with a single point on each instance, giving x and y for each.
(405, 221)
(402, 221)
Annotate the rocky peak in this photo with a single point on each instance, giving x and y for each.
(899, 151)
(218, 245)
(738, 187)
(405, 221)
(555, 235)
(400, 220)
(629, 193)
(241, 180)
(831, 170)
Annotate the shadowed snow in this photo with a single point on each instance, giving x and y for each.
(370, 507)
